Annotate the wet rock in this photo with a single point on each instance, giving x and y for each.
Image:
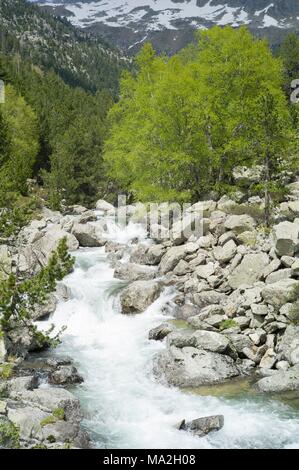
(65, 375)
(203, 426)
(43, 311)
(139, 295)
(160, 332)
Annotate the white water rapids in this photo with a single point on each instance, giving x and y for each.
(124, 406)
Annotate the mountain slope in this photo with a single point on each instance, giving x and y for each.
(169, 23)
(50, 42)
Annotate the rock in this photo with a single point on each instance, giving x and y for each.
(287, 261)
(203, 426)
(174, 255)
(255, 354)
(248, 238)
(288, 348)
(268, 360)
(245, 176)
(65, 375)
(281, 292)
(20, 384)
(191, 367)
(139, 295)
(104, 206)
(273, 266)
(3, 407)
(49, 399)
(154, 254)
(191, 223)
(182, 268)
(203, 299)
(44, 247)
(240, 223)
(87, 235)
(134, 272)
(5, 262)
(185, 311)
(21, 341)
(240, 342)
(87, 216)
(286, 238)
(282, 365)
(3, 352)
(46, 309)
(279, 276)
(62, 292)
(295, 268)
(259, 309)
(225, 253)
(281, 381)
(161, 331)
(258, 337)
(204, 271)
(291, 311)
(204, 208)
(209, 341)
(249, 270)
(77, 210)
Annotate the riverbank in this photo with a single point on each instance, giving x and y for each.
(234, 290)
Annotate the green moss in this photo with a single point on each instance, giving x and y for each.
(225, 324)
(6, 371)
(57, 415)
(51, 439)
(9, 435)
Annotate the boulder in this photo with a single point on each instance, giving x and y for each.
(286, 238)
(295, 268)
(104, 206)
(281, 292)
(203, 426)
(209, 341)
(225, 253)
(42, 311)
(65, 375)
(240, 223)
(87, 235)
(205, 270)
(249, 270)
(190, 224)
(160, 332)
(279, 275)
(139, 295)
(246, 176)
(192, 367)
(211, 297)
(134, 272)
(288, 347)
(185, 311)
(154, 254)
(44, 247)
(174, 255)
(3, 351)
(281, 381)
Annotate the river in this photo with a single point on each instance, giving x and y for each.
(125, 407)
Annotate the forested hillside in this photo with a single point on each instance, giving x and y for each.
(50, 42)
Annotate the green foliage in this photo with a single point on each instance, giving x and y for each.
(225, 324)
(22, 131)
(6, 370)
(57, 415)
(19, 298)
(289, 53)
(9, 435)
(183, 123)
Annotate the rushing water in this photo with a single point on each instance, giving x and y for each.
(124, 406)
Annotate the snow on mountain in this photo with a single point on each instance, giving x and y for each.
(130, 22)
